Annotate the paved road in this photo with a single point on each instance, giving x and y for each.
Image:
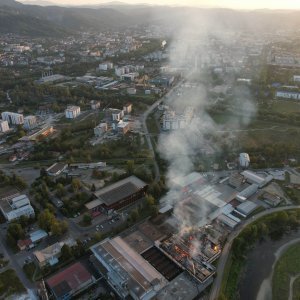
(146, 131)
(226, 250)
(13, 262)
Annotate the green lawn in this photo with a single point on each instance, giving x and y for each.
(10, 284)
(288, 265)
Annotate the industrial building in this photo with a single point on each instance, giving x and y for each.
(15, 206)
(259, 179)
(72, 112)
(12, 118)
(69, 282)
(30, 122)
(117, 195)
(247, 192)
(127, 272)
(56, 169)
(246, 208)
(4, 127)
(244, 160)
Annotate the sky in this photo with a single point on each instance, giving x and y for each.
(236, 4)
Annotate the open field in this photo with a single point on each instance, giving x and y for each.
(287, 266)
(285, 107)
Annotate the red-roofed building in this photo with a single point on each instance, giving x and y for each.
(69, 282)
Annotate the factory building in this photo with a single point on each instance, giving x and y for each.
(56, 169)
(247, 192)
(118, 195)
(244, 160)
(4, 126)
(126, 271)
(258, 179)
(72, 112)
(12, 118)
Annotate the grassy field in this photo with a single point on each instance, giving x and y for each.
(288, 265)
(10, 284)
(296, 289)
(285, 107)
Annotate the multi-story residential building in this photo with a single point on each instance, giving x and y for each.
(288, 95)
(4, 126)
(72, 112)
(95, 104)
(100, 129)
(30, 122)
(127, 109)
(12, 118)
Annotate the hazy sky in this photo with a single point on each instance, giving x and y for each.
(240, 4)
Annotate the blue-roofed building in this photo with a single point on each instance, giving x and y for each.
(38, 235)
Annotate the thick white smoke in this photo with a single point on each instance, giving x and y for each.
(192, 50)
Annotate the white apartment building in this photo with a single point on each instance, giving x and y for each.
(4, 126)
(288, 95)
(106, 66)
(12, 118)
(296, 78)
(117, 115)
(30, 122)
(95, 104)
(72, 112)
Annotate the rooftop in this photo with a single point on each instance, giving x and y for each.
(56, 168)
(140, 276)
(70, 279)
(120, 190)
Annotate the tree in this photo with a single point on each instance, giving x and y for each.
(43, 172)
(66, 252)
(130, 167)
(16, 231)
(134, 215)
(87, 219)
(76, 185)
(46, 219)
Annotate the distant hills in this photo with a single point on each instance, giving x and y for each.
(36, 20)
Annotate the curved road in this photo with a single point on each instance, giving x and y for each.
(226, 250)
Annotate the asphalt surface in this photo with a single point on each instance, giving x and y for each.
(226, 250)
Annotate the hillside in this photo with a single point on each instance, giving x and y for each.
(56, 21)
